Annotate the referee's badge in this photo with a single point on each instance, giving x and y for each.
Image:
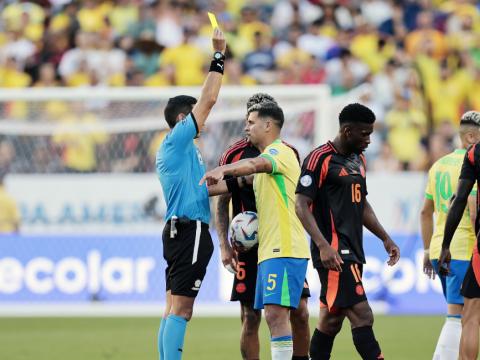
(306, 180)
(273, 152)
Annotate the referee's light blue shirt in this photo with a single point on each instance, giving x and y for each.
(180, 167)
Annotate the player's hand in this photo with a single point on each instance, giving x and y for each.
(238, 248)
(229, 258)
(444, 262)
(393, 251)
(428, 267)
(330, 258)
(212, 177)
(218, 41)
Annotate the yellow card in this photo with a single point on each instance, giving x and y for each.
(213, 20)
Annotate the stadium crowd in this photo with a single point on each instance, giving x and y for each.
(416, 64)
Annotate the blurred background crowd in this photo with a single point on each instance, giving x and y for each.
(415, 63)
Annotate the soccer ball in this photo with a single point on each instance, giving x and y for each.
(244, 230)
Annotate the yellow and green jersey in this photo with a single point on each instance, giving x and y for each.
(280, 232)
(442, 183)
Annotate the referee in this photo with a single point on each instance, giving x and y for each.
(187, 245)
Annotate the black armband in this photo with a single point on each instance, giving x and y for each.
(217, 66)
(232, 185)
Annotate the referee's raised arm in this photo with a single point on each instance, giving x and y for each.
(187, 243)
(211, 86)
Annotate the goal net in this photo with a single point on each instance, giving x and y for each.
(119, 130)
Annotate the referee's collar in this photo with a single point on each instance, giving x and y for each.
(460, 151)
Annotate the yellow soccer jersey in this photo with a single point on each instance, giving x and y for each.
(442, 183)
(280, 232)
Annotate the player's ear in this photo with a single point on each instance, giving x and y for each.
(180, 117)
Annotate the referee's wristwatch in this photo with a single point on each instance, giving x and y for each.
(217, 55)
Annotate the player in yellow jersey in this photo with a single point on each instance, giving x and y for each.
(283, 251)
(442, 182)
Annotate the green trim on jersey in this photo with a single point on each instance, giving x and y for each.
(428, 196)
(280, 181)
(272, 160)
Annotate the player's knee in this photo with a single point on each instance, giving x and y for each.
(251, 319)
(331, 325)
(300, 316)
(184, 311)
(362, 317)
(276, 318)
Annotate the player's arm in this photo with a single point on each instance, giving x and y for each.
(218, 188)
(211, 86)
(472, 209)
(222, 220)
(240, 168)
(371, 223)
(329, 256)
(426, 225)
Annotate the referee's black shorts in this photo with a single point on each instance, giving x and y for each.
(187, 254)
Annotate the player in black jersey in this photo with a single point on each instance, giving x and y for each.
(332, 206)
(243, 199)
(471, 283)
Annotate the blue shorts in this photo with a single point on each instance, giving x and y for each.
(280, 282)
(452, 283)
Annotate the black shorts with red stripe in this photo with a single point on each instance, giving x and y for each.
(341, 289)
(244, 282)
(471, 282)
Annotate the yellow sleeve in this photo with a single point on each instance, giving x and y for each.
(429, 191)
(277, 155)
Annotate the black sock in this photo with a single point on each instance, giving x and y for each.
(321, 345)
(300, 358)
(366, 344)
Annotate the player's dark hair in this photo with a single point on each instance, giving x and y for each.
(356, 113)
(269, 109)
(259, 98)
(470, 118)
(177, 105)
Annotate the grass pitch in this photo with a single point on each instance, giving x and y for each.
(401, 338)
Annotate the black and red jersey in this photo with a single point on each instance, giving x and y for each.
(337, 185)
(471, 171)
(243, 199)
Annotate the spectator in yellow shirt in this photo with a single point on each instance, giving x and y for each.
(426, 33)
(448, 94)
(9, 214)
(406, 127)
(80, 148)
(184, 62)
(92, 16)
